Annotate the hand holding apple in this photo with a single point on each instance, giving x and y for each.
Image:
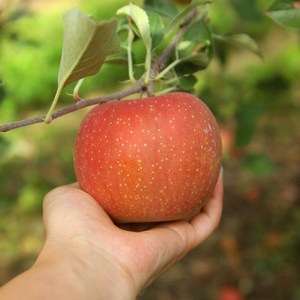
(148, 160)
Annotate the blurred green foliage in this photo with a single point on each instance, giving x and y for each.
(255, 100)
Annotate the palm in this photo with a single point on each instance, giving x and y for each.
(142, 255)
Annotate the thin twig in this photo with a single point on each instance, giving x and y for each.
(139, 86)
(78, 105)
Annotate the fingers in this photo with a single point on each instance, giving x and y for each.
(183, 236)
(208, 220)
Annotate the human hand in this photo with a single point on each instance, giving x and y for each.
(103, 256)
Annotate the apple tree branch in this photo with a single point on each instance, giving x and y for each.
(157, 66)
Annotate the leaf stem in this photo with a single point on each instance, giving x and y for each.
(171, 80)
(167, 69)
(148, 66)
(48, 118)
(76, 90)
(129, 54)
(168, 90)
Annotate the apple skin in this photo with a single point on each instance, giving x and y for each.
(149, 160)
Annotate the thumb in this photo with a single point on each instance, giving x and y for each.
(69, 209)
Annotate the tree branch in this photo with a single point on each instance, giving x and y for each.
(139, 86)
(161, 62)
(78, 105)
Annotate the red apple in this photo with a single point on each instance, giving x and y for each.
(148, 160)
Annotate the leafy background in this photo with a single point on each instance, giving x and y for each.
(255, 252)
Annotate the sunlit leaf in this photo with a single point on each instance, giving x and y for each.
(140, 19)
(285, 13)
(85, 47)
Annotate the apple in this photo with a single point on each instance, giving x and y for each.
(149, 160)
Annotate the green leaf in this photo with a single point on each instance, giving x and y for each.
(192, 64)
(141, 20)
(197, 39)
(157, 29)
(240, 40)
(187, 83)
(196, 48)
(175, 22)
(165, 8)
(85, 47)
(285, 13)
(260, 165)
(200, 59)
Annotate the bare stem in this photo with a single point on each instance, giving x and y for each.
(66, 110)
(139, 86)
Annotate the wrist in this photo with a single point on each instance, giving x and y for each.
(83, 274)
